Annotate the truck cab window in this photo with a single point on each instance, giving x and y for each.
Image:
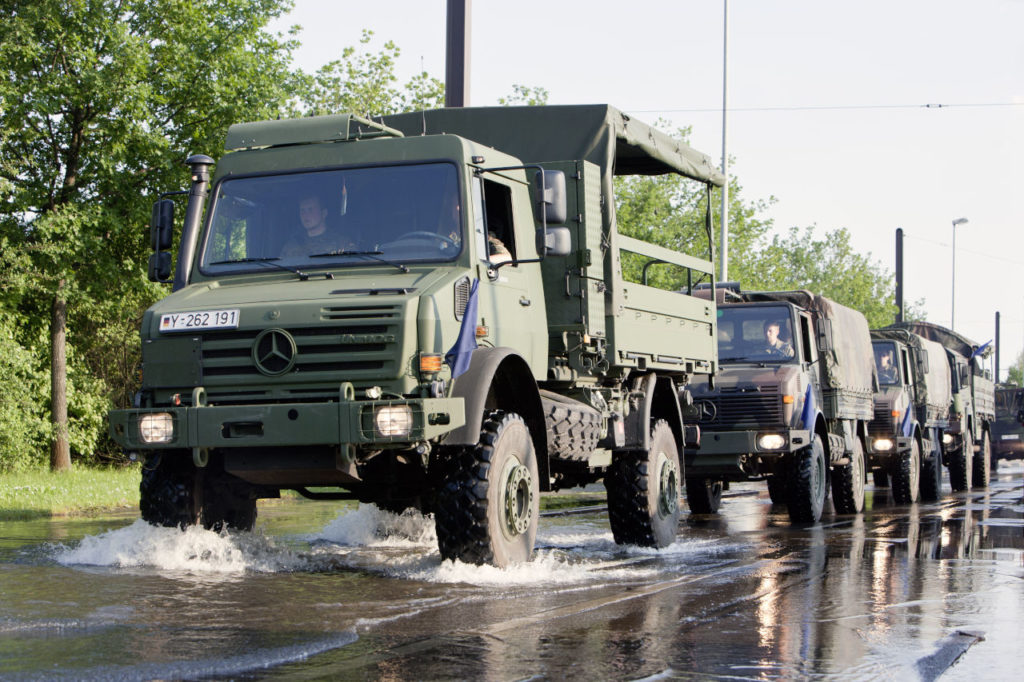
(501, 243)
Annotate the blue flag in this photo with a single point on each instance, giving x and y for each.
(908, 421)
(459, 355)
(807, 416)
(981, 349)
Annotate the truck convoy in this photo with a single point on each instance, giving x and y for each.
(791, 404)
(430, 311)
(912, 408)
(968, 440)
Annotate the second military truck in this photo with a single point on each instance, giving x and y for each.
(791, 404)
(426, 311)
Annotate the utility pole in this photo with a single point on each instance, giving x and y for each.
(456, 74)
(724, 267)
(899, 275)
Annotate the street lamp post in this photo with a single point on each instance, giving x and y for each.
(952, 314)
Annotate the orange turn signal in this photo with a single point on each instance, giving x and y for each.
(481, 332)
(896, 413)
(787, 400)
(430, 363)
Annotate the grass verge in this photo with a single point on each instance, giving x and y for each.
(35, 494)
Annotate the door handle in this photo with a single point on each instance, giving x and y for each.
(523, 301)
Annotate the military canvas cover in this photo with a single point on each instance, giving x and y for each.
(947, 337)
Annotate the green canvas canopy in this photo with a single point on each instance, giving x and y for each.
(599, 133)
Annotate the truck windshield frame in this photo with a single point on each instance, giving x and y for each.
(743, 334)
(404, 213)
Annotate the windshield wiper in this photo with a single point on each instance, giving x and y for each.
(368, 254)
(269, 261)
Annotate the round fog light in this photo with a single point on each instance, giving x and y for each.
(883, 444)
(947, 439)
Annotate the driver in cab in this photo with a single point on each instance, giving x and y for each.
(316, 235)
(776, 346)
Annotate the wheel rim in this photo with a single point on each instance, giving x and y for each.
(668, 486)
(915, 471)
(517, 509)
(858, 475)
(819, 478)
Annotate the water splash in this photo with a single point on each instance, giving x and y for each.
(193, 549)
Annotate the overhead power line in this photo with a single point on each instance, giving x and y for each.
(984, 254)
(837, 107)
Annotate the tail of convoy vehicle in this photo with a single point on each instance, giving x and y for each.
(791, 404)
(1007, 429)
(968, 440)
(388, 310)
(911, 413)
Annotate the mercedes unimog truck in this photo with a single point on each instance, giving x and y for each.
(911, 413)
(968, 440)
(426, 311)
(791, 404)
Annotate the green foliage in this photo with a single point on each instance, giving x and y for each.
(1015, 374)
(100, 102)
(670, 211)
(523, 95)
(366, 84)
(23, 393)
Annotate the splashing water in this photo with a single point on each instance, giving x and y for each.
(193, 549)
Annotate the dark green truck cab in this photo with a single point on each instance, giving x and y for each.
(426, 312)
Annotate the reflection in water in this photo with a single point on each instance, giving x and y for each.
(366, 595)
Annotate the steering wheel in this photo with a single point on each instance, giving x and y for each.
(447, 242)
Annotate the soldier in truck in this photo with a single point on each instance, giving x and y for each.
(776, 346)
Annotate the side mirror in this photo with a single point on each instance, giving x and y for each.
(161, 225)
(160, 267)
(551, 204)
(556, 241)
(964, 375)
(922, 361)
(824, 335)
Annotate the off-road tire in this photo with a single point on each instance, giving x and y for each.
(906, 474)
(848, 482)
(983, 463)
(931, 475)
(228, 502)
(170, 493)
(778, 490)
(808, 483)
(703, 495)
(880, 477)
(489, 502)
(573, 431)
(961, 466)
(643, 492)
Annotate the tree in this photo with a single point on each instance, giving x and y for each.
(1015, 374)
(523, 95)
(366, 84)
(100, 102)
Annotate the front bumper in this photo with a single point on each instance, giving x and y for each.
(288, 424)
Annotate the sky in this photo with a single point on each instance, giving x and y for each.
(827, 111)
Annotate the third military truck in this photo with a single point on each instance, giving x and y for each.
(428, 311)
(791, 404)
(912, 412)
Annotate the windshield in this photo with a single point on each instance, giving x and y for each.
(1008, 402)
(390, 214)
(885, 363)
(755, 334)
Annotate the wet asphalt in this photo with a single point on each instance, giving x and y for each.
(319, 591)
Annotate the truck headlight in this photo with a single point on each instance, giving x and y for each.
(883, 444)
(771, 441)
(156, 428)
(947, 439)
(393, 421)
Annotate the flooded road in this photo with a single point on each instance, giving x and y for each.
(897, 593)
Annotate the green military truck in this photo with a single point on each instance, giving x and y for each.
(391, 311)
(968, 441)
(790, 405)
(911, 413)
(1007, 429)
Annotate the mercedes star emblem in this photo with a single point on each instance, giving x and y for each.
(273, 351)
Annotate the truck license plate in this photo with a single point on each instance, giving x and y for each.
(200, 319)
(1011, 436)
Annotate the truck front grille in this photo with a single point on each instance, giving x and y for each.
(882, 421)
(745, 406)
(364, 345)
